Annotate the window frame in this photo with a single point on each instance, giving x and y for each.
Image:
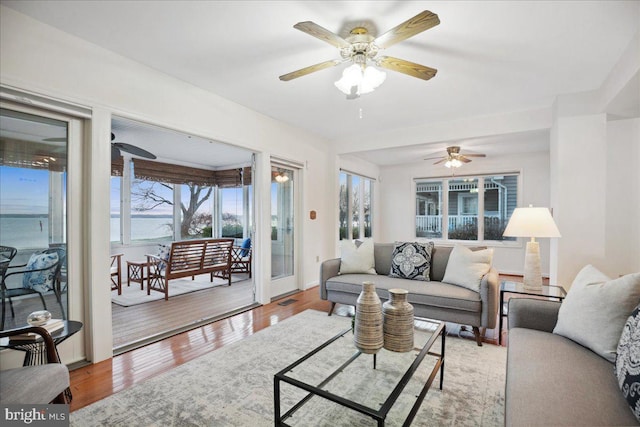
(351, 209)
(444, 182)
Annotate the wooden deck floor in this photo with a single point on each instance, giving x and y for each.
(144, 323)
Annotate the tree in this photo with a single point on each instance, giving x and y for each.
(146, 195)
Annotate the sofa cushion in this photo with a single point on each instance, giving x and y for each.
(596, 308)
(628, 362)
(551, 380)
(382, 254)
(411, 260)
(435, 294)
(466, 268)
(439, 260)
(38, 384)
(357, 258)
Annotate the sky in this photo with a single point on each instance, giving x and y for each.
(24, 191)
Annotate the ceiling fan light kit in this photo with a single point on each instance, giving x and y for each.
(361, 49)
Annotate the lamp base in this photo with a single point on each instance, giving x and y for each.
(532, 275)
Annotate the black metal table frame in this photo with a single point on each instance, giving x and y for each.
(538, 293)
(378, 415)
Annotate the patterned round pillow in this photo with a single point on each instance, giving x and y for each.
(628, 362)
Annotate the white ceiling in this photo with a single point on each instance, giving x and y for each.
(492, 57)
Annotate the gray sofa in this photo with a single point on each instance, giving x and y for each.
(553, 381)
(432, 300)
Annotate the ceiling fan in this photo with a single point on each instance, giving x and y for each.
(454, 158)
(362, 48)
(117, 147)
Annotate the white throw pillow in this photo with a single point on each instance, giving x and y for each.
(466, 268)
(596, 308)
(357, 259)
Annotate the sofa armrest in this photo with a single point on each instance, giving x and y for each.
(490, 296)
(329, 268)
(530, 313)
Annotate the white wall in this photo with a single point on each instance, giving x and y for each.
(622, 202)
(397, 210)
(38, 58)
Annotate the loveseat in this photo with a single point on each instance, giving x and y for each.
(552, 380)
(432, 299)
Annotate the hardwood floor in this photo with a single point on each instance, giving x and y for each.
(94, 382)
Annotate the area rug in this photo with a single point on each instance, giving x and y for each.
(132, 295)
(233, 386)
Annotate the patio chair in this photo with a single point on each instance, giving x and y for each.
(116, 273)
(39, 276)
(40, 384)
(241, 258)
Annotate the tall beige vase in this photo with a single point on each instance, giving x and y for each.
(398, 322)
(368, 336)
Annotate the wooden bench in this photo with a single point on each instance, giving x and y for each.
(189, 258)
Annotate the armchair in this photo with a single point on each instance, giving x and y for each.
(39, 384)
(39, 276)
(241, 258)
(116, 273)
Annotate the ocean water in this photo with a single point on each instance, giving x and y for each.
(26, 232)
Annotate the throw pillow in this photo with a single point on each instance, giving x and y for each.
(466, 268)
(246, 245)
(357, 259)
(42, 280)
(628, 362)
(411, 260)
(595, 309)
(163, 254)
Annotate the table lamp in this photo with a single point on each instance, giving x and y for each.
(531, 222)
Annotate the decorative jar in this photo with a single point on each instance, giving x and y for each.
(398, 322)
(368, 335)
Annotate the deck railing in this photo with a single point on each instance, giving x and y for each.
(433, 223)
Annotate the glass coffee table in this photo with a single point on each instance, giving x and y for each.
(335, 384)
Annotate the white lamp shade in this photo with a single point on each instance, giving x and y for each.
(531, 222)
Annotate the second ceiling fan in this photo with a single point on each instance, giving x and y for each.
(454, 158)
(361, 48)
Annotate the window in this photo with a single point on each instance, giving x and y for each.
(116, 186)
(196, 210)
(356, 211)
(473, 208)
(167, 202)
(232, 212)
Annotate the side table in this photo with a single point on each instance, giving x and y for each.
(135, 272)
(34, 350)
(547, 291)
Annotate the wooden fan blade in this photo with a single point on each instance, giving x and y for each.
(441, 161)
(310, 69)
(473, 155)
(463, 159)
(406, 67)
(433, 158)
(419, 23)
(321, 33)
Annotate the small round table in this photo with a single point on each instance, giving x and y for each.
(35, 352)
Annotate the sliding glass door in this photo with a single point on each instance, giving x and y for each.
(33, 189)
(283, 226)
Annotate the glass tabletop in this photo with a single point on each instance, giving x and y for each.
(546, 291)
(340, 370)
